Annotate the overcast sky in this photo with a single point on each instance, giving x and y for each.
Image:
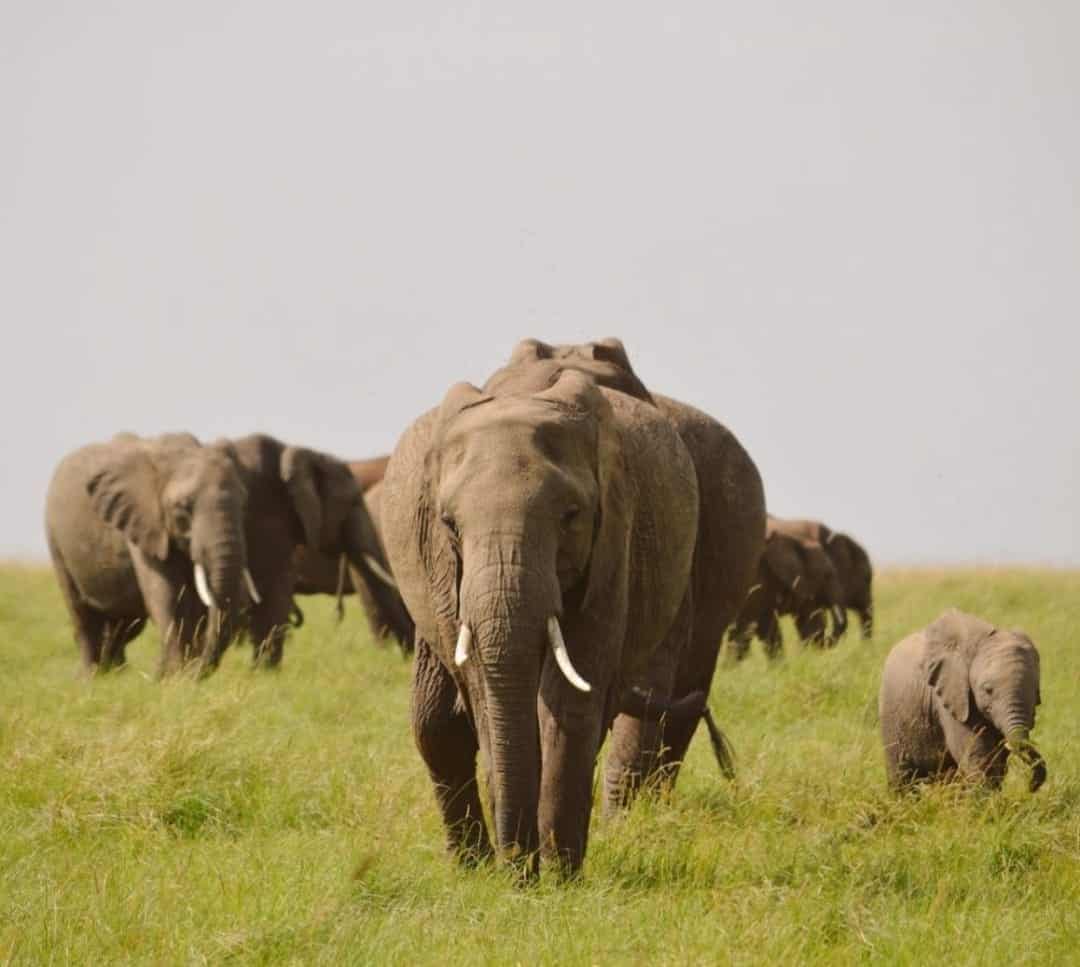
(849, 229)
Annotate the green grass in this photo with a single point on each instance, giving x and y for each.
(286, 818)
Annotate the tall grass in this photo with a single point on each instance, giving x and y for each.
(286, 817)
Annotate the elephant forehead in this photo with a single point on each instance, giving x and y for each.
(526, 421)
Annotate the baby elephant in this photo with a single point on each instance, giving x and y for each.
(958, 697)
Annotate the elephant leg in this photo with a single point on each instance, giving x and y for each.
(87, 623)
(738, 644)
(772, 638)
(571, 730)
(811, 627)
(447, 743)
(639, 753)
(866, 622)
(173, 607)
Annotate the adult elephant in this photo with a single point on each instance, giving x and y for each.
(320, 573)
(729, 540)
(852, 564)
(142, 528)
(542, 538)
(795, 577)
(299, 498)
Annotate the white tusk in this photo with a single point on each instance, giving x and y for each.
(562, 656)
(379, 571)
(203, 587)
(253, 592)
(464, 640)
(795, 583)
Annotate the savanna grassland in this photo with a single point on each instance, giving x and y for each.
(286, 818)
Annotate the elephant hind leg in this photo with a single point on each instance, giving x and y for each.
(88, 623)
(447, 743)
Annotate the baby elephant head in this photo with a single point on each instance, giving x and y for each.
(989, 676)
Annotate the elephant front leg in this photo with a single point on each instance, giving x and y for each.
(571, 728)
(447, 743)
(173, 606)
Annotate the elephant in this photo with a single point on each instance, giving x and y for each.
(852, 563)
(795, 577)
(140, 528)
(300, 498)
(318, 573)
(729, 541)
(198, 538)
(542, 537)
(956, 699)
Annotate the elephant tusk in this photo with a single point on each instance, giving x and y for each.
(464, 640)
(795, 583)
(203, 587)
(253, 592)
(379, 571)
(562, 656)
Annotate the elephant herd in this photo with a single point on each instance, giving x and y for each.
(563, 549)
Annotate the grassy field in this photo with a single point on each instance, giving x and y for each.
(286, 818)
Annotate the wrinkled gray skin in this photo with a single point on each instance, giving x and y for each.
(852, 563)
(795, 577)
(552, 497)
(297, 498)
(728, 543)
(125, 520)
(956, 698)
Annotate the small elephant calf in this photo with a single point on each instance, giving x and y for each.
(956, 699)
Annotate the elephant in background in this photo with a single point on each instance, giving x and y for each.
(319, 573)
(795, 577)
(542, 537)
(298, 498)
(728, 543)
(852, 563)
(956, 699)
(154, 528)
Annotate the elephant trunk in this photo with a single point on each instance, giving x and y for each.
(1017, 731)
(507, 608)
(219, 551)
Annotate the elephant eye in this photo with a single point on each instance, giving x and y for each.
(988, 688)
(570, 515)
(449, 522)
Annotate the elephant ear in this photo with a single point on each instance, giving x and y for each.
(124, 492)
(299, 469)
(947, 668)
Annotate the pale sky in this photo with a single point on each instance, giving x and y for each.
(848, 229)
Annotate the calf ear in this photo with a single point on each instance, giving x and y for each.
(947, 673)
(124, 493)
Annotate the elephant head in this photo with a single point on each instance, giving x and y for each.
(804, 583)
(522, 533)
(299, 498)
(606, 361)
(172, 495)
(856, 576)
(984, 676)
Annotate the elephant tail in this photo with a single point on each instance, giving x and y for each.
(722, 748)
